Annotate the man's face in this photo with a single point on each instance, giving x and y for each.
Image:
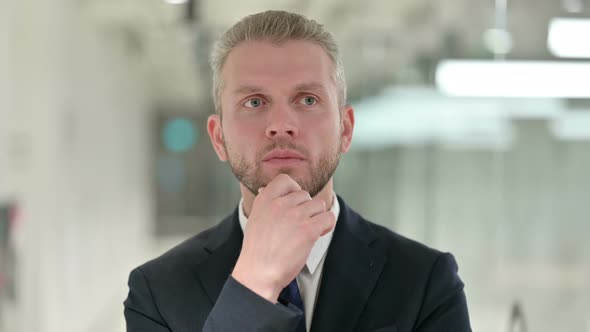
(280, 114)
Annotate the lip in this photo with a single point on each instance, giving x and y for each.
(283, 155)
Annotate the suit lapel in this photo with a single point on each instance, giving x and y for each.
(351, 270)
(224, 247)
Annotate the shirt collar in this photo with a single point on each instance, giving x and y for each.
(319, 249)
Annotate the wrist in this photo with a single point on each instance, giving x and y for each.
(260, 285)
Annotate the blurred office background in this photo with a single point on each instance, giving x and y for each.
(472, 135)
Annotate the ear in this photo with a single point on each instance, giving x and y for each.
(216, 136)
(347, 125)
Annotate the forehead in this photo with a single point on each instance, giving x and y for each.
(267, 65)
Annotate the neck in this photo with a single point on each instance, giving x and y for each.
(326, 195)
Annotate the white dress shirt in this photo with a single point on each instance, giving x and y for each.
(309, 278)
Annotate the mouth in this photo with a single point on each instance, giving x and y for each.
(283, 158)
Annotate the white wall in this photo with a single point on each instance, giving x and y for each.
(6, 96)
(74, 104)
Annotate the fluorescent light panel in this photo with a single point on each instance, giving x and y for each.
(569, 37)
(527, 79)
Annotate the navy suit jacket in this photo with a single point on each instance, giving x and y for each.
(374, 280)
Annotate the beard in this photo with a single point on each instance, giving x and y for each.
(252, 177)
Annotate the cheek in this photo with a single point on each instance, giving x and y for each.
(243, 127)
(240, 143)
(325, 138)
(330, 132)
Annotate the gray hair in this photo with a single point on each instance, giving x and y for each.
(276, 27)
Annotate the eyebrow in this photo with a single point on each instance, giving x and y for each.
(310, 86)
(248, 89)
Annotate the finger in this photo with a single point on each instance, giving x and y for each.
(294, 199)
(323, 223)
(280, 186)
(312, 207)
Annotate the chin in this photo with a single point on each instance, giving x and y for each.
(285, 170)
(268, 177)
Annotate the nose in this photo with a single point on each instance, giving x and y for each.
(282, 123)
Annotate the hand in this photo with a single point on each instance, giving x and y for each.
(284, 224)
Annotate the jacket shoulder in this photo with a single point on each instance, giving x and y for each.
(404, 246)
(190, 252)
(421, 284)
(417, 258)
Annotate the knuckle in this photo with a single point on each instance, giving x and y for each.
(331, 217)
(278, 205)
(328, 219)
(304, 194)
(320, 205)
(284, 178)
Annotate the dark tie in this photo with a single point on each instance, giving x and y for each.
(290, 294)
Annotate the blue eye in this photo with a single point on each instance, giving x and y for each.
(308, 100)
(253, 102)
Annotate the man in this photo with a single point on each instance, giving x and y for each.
(293, 256)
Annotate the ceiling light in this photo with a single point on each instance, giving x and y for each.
(528, 79)
(176, 2)
(569, 37)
